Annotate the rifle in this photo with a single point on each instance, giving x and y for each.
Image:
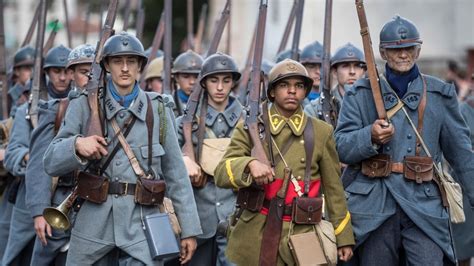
(3, 66)
(140, 21)
(190, 26)
(157, 39)
(370, 59)
(49, 43)
(31, 29)
(229, 30)
(252, 123)
(328, 102)
(289, 24)
(297, 33)
(193, 101)
(86, 24)
(244, 80)
(167, 48)
(69, 42)
(96, 74)
(38, 78)
(200, 29)
(126, 15)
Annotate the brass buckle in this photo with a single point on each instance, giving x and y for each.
(125, 190)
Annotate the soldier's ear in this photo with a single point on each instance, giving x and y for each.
(418, 50)
(106, 65)
(382, 53)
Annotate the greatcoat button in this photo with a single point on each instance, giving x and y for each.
(302, 160)
(409, 150)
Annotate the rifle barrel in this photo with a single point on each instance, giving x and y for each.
(190, 24)
(3, 65)
(289, 25)
(167, 48)
(200, 28)
(31, 29)
(297, 33)
(69, 41)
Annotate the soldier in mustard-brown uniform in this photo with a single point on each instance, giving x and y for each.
(289, 85)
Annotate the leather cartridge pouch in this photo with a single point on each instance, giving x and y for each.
(213, 151)
(92, 187)
(377, 166)
(251, 198)
(149, 191)
(418, 168)
(307, 210)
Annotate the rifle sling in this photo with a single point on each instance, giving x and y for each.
(201, 127)
(308, 148)
(63, 104)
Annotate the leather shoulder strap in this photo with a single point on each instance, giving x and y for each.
(308, 148)
(421, 112)
(63, 104)
(149, 125)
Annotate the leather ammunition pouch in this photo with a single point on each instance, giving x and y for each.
(149, 191)
(66, 181)
(92, 187)
(307, 210)
(377, 166)
(418, 168)
(251, 198)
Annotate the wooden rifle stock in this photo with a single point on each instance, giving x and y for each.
(96, 75)
(38, 68)
(289, 25)
(297, 33)
(52, 36)
(370, 59)
(167, 48)
(31, 29)
(69, 41)
(140, 20)
(200, 29)
(193, 101)
(157, 39)
(126, 15)
(3, 65)
(328, 102)
(190, 24)
(244, 80)
(252, 123)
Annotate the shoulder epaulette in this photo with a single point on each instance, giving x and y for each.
(437, 85)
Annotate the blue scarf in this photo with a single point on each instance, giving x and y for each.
(126, 100)
(57, 95)
(399, 82)
(313, 95)
(182, 96)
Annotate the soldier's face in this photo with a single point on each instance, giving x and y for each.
(81, 74)
(218, 87)
(348, 72)
(186, 81)
(155, 84)
(401, 60)
(23, 73)
(60, 78)
(288, 95)
(314, 71)
(124, 71)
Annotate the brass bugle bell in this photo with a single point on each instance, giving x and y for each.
(57, 217)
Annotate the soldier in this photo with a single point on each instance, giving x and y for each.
(22, 231)
(114, 221)
(153, 76)
(219, 74)
(41, 190)
(23, 61)
(348, 65)
(394, 200)
(186, 68)
(288, 86)
(312, 58)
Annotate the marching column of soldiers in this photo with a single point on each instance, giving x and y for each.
(114, 160)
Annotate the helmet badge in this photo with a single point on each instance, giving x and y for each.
(291, 67)
(403, 32)
(223, 62)
(124, 41)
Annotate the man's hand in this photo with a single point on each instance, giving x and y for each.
(92, 148)
(42, 228)
(27, 157)
(382, 131)
(194, 170)
(2, 154)
(188, 246)
(261, 173)
(345, 253)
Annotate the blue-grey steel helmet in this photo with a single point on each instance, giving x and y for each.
(57, 57)
(312, 54)
(399, 33)
(285, 54)
(124, 44)
(219, 63)
(348, 53)
(25, 56)
(267, 66)
(159, 53)
(82, 54)
(188, 62)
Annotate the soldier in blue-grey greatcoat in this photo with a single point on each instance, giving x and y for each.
(117, 222)
(404, 209)
(17, 155)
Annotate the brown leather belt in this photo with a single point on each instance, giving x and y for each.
(286, 209)
(121, 188)
(397, 168)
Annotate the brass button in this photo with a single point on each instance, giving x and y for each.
(302, 160)
(298, 177)
(302, 142)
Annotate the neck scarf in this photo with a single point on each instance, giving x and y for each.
(126, 100)
(399, 82)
